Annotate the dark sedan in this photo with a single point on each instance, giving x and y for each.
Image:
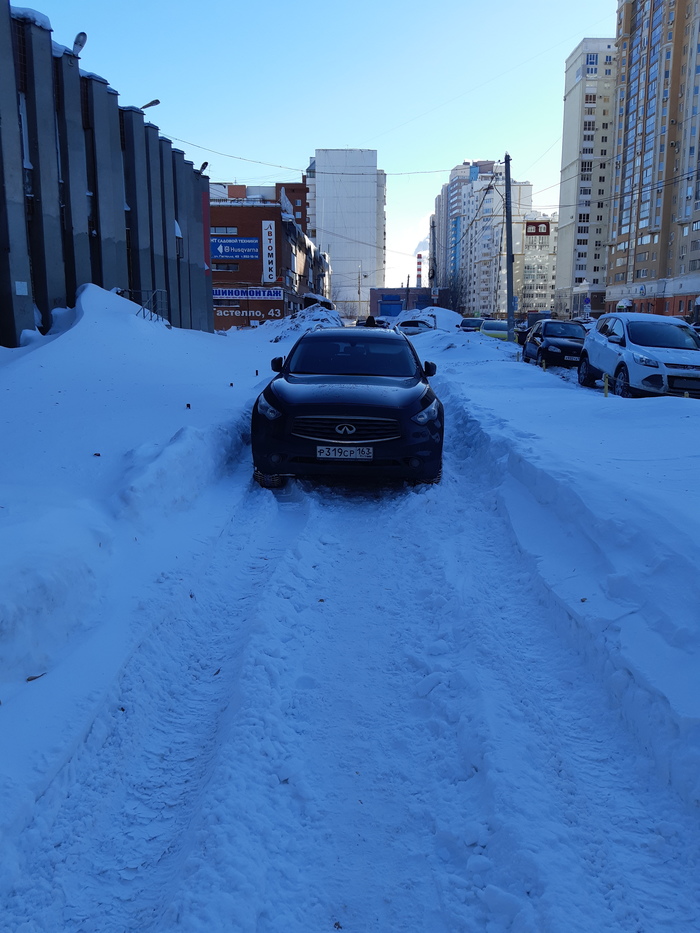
(351, 402)
(554, 343)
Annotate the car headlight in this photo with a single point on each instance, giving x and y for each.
(645, 360)
(551, 349)
(268, 410)
(427, 414)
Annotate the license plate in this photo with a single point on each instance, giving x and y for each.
(344, 453)
(688, 385)
(572, 359)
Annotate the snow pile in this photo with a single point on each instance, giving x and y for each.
(300, 321)
(441, 318)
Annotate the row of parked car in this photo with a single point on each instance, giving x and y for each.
(640, 354)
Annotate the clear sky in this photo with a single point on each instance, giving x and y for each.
(255, 88)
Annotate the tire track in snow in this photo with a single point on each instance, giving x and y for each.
(104, 854)
(398, 738)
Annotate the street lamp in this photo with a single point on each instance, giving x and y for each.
(151, 103)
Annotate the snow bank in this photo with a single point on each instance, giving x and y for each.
(441, 318)
(612, 547)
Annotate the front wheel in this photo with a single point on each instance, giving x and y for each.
(622, 383)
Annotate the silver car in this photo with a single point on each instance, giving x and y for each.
(643, 354)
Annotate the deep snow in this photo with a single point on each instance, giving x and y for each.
(472, 706)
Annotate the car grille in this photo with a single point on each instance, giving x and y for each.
(346, 430)
(686, 366)
(679, 385)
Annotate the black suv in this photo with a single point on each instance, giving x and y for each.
(352, 402)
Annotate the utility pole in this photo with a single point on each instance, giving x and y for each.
(509, 255)
(359, 290)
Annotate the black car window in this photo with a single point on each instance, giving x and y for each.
(603, 327)
(346, 357)
(563, 329)
(657, 334)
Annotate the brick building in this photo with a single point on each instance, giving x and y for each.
(263, 263)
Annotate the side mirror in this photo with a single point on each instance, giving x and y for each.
(429, 368)
(615, 338)
(276, 364)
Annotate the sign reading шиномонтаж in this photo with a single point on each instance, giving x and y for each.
(252, 294)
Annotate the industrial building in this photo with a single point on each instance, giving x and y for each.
(93, 193)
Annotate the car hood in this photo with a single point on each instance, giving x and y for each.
(380, 391)
(565, 343)
(669, 355)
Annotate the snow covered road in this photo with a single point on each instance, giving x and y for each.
(293, 747)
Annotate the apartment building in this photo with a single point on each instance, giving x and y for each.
(586, 169)
(264, 266)
(347, 219)
(654, 257)
(539, 257)
(468, 237)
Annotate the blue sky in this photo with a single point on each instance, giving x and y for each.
(428, 86)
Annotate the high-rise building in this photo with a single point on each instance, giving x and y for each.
(347, 198)
(654, 258)
(539, 256)
(468, 237)
(586, 166)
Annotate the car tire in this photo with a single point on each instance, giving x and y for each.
(621, 386)
(269, 480)
(586, 373)
(524, 356)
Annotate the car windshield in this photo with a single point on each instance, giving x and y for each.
(343, 356)
(671, 336)
(564, 329)
(495, 325)
(472, 322)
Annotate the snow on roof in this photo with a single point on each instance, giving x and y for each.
(31, 16)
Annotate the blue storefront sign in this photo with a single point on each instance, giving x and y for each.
(252, 294)
(235, 247)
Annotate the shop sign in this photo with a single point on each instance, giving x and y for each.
(235, 247)
(269, 251)
(270, 294)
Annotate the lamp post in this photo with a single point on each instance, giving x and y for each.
(509, 255)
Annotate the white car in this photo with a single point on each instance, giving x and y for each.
(411, 328)
(644, 354)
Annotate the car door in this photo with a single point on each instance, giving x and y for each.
(610, 349)
(533, 340)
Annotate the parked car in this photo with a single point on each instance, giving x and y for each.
(471, 323)
(414, 327)
(350, 402)
(554, 343)
(645, 354)
(495, 329)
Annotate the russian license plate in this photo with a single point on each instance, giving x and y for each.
(686, 385)
(572, 359)
(344, 453)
